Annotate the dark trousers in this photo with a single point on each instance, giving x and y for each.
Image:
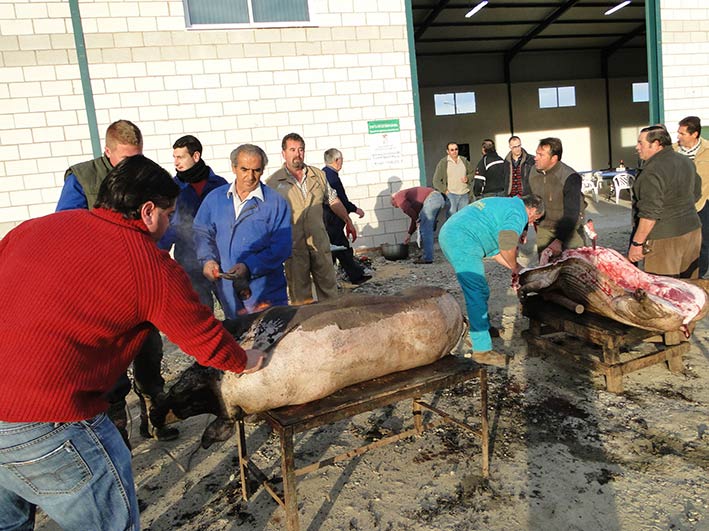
(148, 381)
(335, 230)
(704, 252)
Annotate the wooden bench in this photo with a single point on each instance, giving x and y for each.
(360, 398)
(596, 342)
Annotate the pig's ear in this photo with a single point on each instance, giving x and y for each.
(219, 430)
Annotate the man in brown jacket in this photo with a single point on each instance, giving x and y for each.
(306, 189)
(690, 144)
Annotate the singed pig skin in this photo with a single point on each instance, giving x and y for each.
(314, 350)
(343, 342)
(608, 284)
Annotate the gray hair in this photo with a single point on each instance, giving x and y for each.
(250, 149)
(331, 155)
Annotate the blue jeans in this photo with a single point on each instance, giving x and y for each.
(432, 205)
(457, 202)
(79, 473)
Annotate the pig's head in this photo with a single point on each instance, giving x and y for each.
(195, 393)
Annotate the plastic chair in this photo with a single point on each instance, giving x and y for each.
(622, 181)
(591, 182)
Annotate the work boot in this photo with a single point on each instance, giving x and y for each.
(152, 418)
(117, 413)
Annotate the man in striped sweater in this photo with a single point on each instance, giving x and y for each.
(80, 291)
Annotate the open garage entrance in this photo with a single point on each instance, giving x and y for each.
(533, 68)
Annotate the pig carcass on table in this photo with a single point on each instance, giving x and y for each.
(606, 283)
(317, 349)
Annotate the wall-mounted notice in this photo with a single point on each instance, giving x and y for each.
(384, 143)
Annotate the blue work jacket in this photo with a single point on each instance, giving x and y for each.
(260, 238)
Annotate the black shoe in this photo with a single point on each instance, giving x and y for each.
(166, 433)
(361, 280)
(422, 261)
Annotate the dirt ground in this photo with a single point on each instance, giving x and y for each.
(565, 453)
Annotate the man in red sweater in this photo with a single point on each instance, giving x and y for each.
(80, 290)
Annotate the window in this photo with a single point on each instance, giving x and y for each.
(552, 97)
(641, 92)
(245, 11)
(454, 103)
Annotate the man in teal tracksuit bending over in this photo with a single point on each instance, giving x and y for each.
(490, 227)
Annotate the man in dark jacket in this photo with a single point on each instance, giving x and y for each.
(335, 226)
(518, 164)
(490, 177)
(195, 180)
(667, 231)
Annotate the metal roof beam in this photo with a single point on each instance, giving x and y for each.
(430, 18)
(533, 50)
(548, 21)
(512, 38)
(548, 4)
(620, 43)
(533, 22)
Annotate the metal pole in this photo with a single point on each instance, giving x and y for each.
(604, 66)
(508, 82)
(85, 78)
(415, 92)
(654, 60)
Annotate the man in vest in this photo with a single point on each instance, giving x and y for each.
(82, 181)
(560, 187)
(81, 186)
(306, 189)
(690, 144)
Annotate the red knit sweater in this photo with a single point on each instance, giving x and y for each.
(77, 291)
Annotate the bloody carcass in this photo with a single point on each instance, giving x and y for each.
(606, 283)
(314, 350)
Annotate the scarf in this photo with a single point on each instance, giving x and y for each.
(691, 152)
(198, 172)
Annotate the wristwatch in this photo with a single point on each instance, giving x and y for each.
(636, 244)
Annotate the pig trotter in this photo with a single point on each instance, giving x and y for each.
(219, 430)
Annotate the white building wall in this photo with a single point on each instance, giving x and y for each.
(350, 65)
(685, 60)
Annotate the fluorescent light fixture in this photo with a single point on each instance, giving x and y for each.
(478, 7)
(617, 8)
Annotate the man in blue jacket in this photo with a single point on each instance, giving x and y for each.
(244, 228)
(195, 180)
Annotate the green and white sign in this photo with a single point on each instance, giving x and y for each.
(384, 143)
(383, 126)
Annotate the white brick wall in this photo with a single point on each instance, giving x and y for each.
(225, 86)
(685, 59)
